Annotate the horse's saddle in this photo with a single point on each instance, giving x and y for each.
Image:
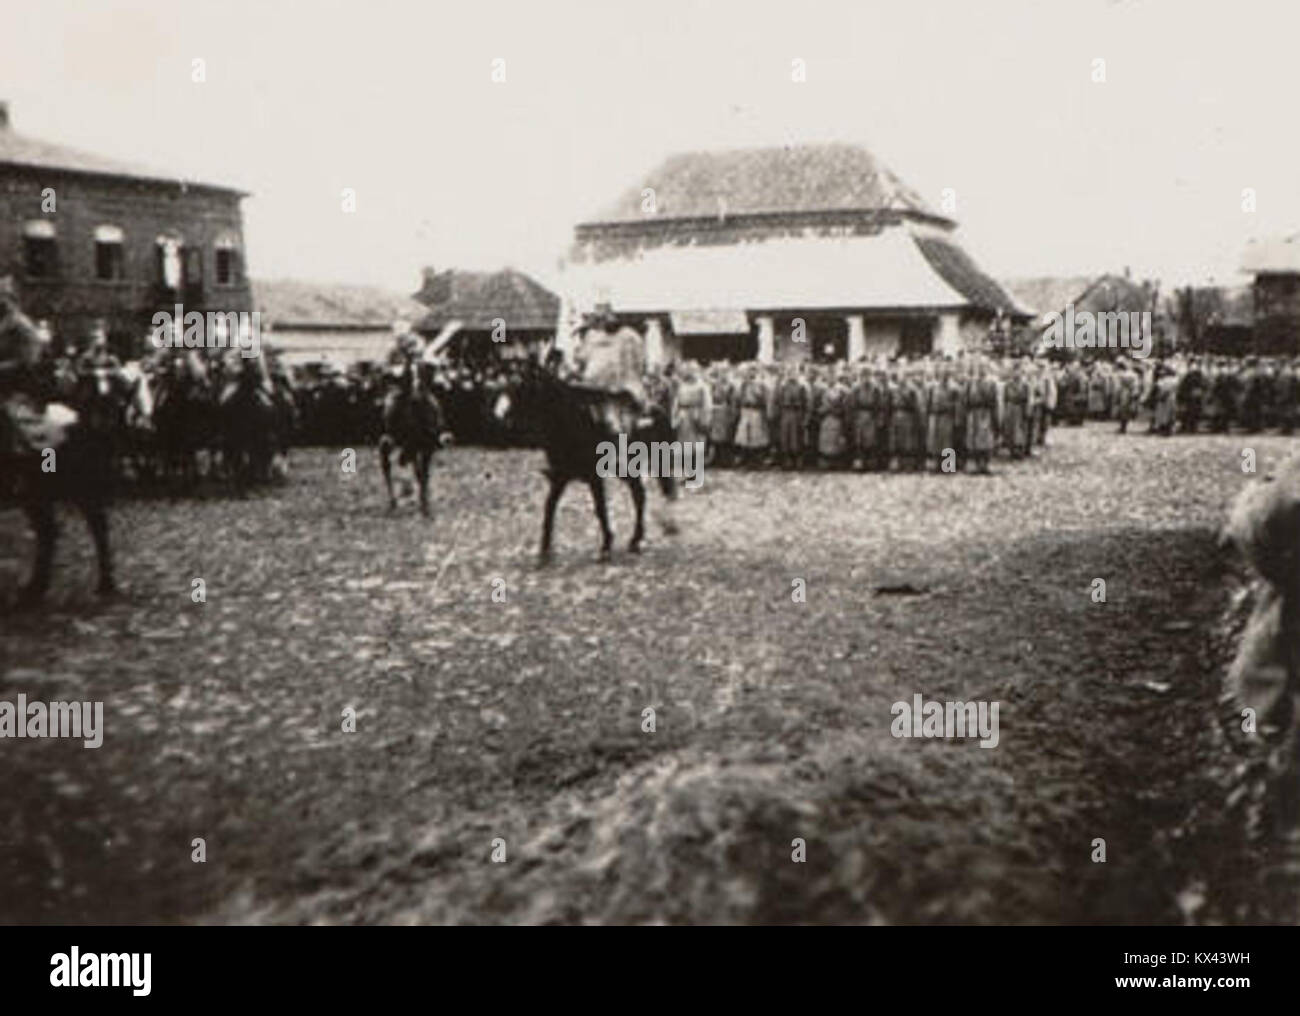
(29, 429)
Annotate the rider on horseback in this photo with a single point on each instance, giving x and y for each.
(611, 363)
(406, 381)
(22, 394)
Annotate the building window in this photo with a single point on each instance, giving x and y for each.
(227, 267)
(170, 262)
(193, 267)
(110, 260)
(40, 253)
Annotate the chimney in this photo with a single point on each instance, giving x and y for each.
(4, 115)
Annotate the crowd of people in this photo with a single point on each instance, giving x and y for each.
(948, 414)
(899, 414)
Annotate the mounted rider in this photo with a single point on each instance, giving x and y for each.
(406, 380)
(611, 363)
(23, 395)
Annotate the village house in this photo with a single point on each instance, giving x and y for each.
(799, 252)
(474, 316)
(1102, 296)
(88, 239)
(1274, 265)
(310, 322)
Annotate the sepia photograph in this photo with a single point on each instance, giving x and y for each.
(711, 464)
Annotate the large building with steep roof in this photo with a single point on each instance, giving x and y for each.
(88, 239)
(801, 252)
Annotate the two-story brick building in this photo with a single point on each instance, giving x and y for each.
(87, 239)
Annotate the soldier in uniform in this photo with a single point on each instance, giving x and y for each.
(909, 420)
(982, 398)
(722, 425)
(1126, 396)
(1224, 396)
(792, 408)
(830, 410)
(694, 407)
(1191, 395)
(1165, 394)
(1051, 393)
(943, 398)
(1016, 407)
(1252, 400)
(864, 402)
(751, 430)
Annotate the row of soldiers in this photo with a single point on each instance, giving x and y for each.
(1188, 392)
(910, 415)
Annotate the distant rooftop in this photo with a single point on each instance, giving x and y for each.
(477, 299)
(291, 302)
(18, 150)
(753, 181)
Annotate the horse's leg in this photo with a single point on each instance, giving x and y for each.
(385, 452)
(421, 467)
(97, 522)
(548, 516)
(637, 488)
(597, 486)
(46, 528)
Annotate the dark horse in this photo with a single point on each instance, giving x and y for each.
(252, 426)
(413, 424)
(78, 470)
(570, 422)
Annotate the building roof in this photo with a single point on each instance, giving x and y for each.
(1272, 254)
(294, 303)
(888, 271)
(1048, 293)
(752, 181)
(1113, 293)
(477, 299)
(961, 272)
(19, 150)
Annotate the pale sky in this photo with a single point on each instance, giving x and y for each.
(1054, 173)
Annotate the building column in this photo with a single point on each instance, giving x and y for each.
(857, 338)
(947, 334)
(766, 339)
(654, 343)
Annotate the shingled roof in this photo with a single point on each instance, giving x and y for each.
(18, 150)
(290, 302)
(960, 271)
(752, 181)
(477, 299)
(1044, 294)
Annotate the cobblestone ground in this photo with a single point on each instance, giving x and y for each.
(521, 720)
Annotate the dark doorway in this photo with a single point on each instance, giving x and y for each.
(917, 337)
(711, 348)
(827, 337)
